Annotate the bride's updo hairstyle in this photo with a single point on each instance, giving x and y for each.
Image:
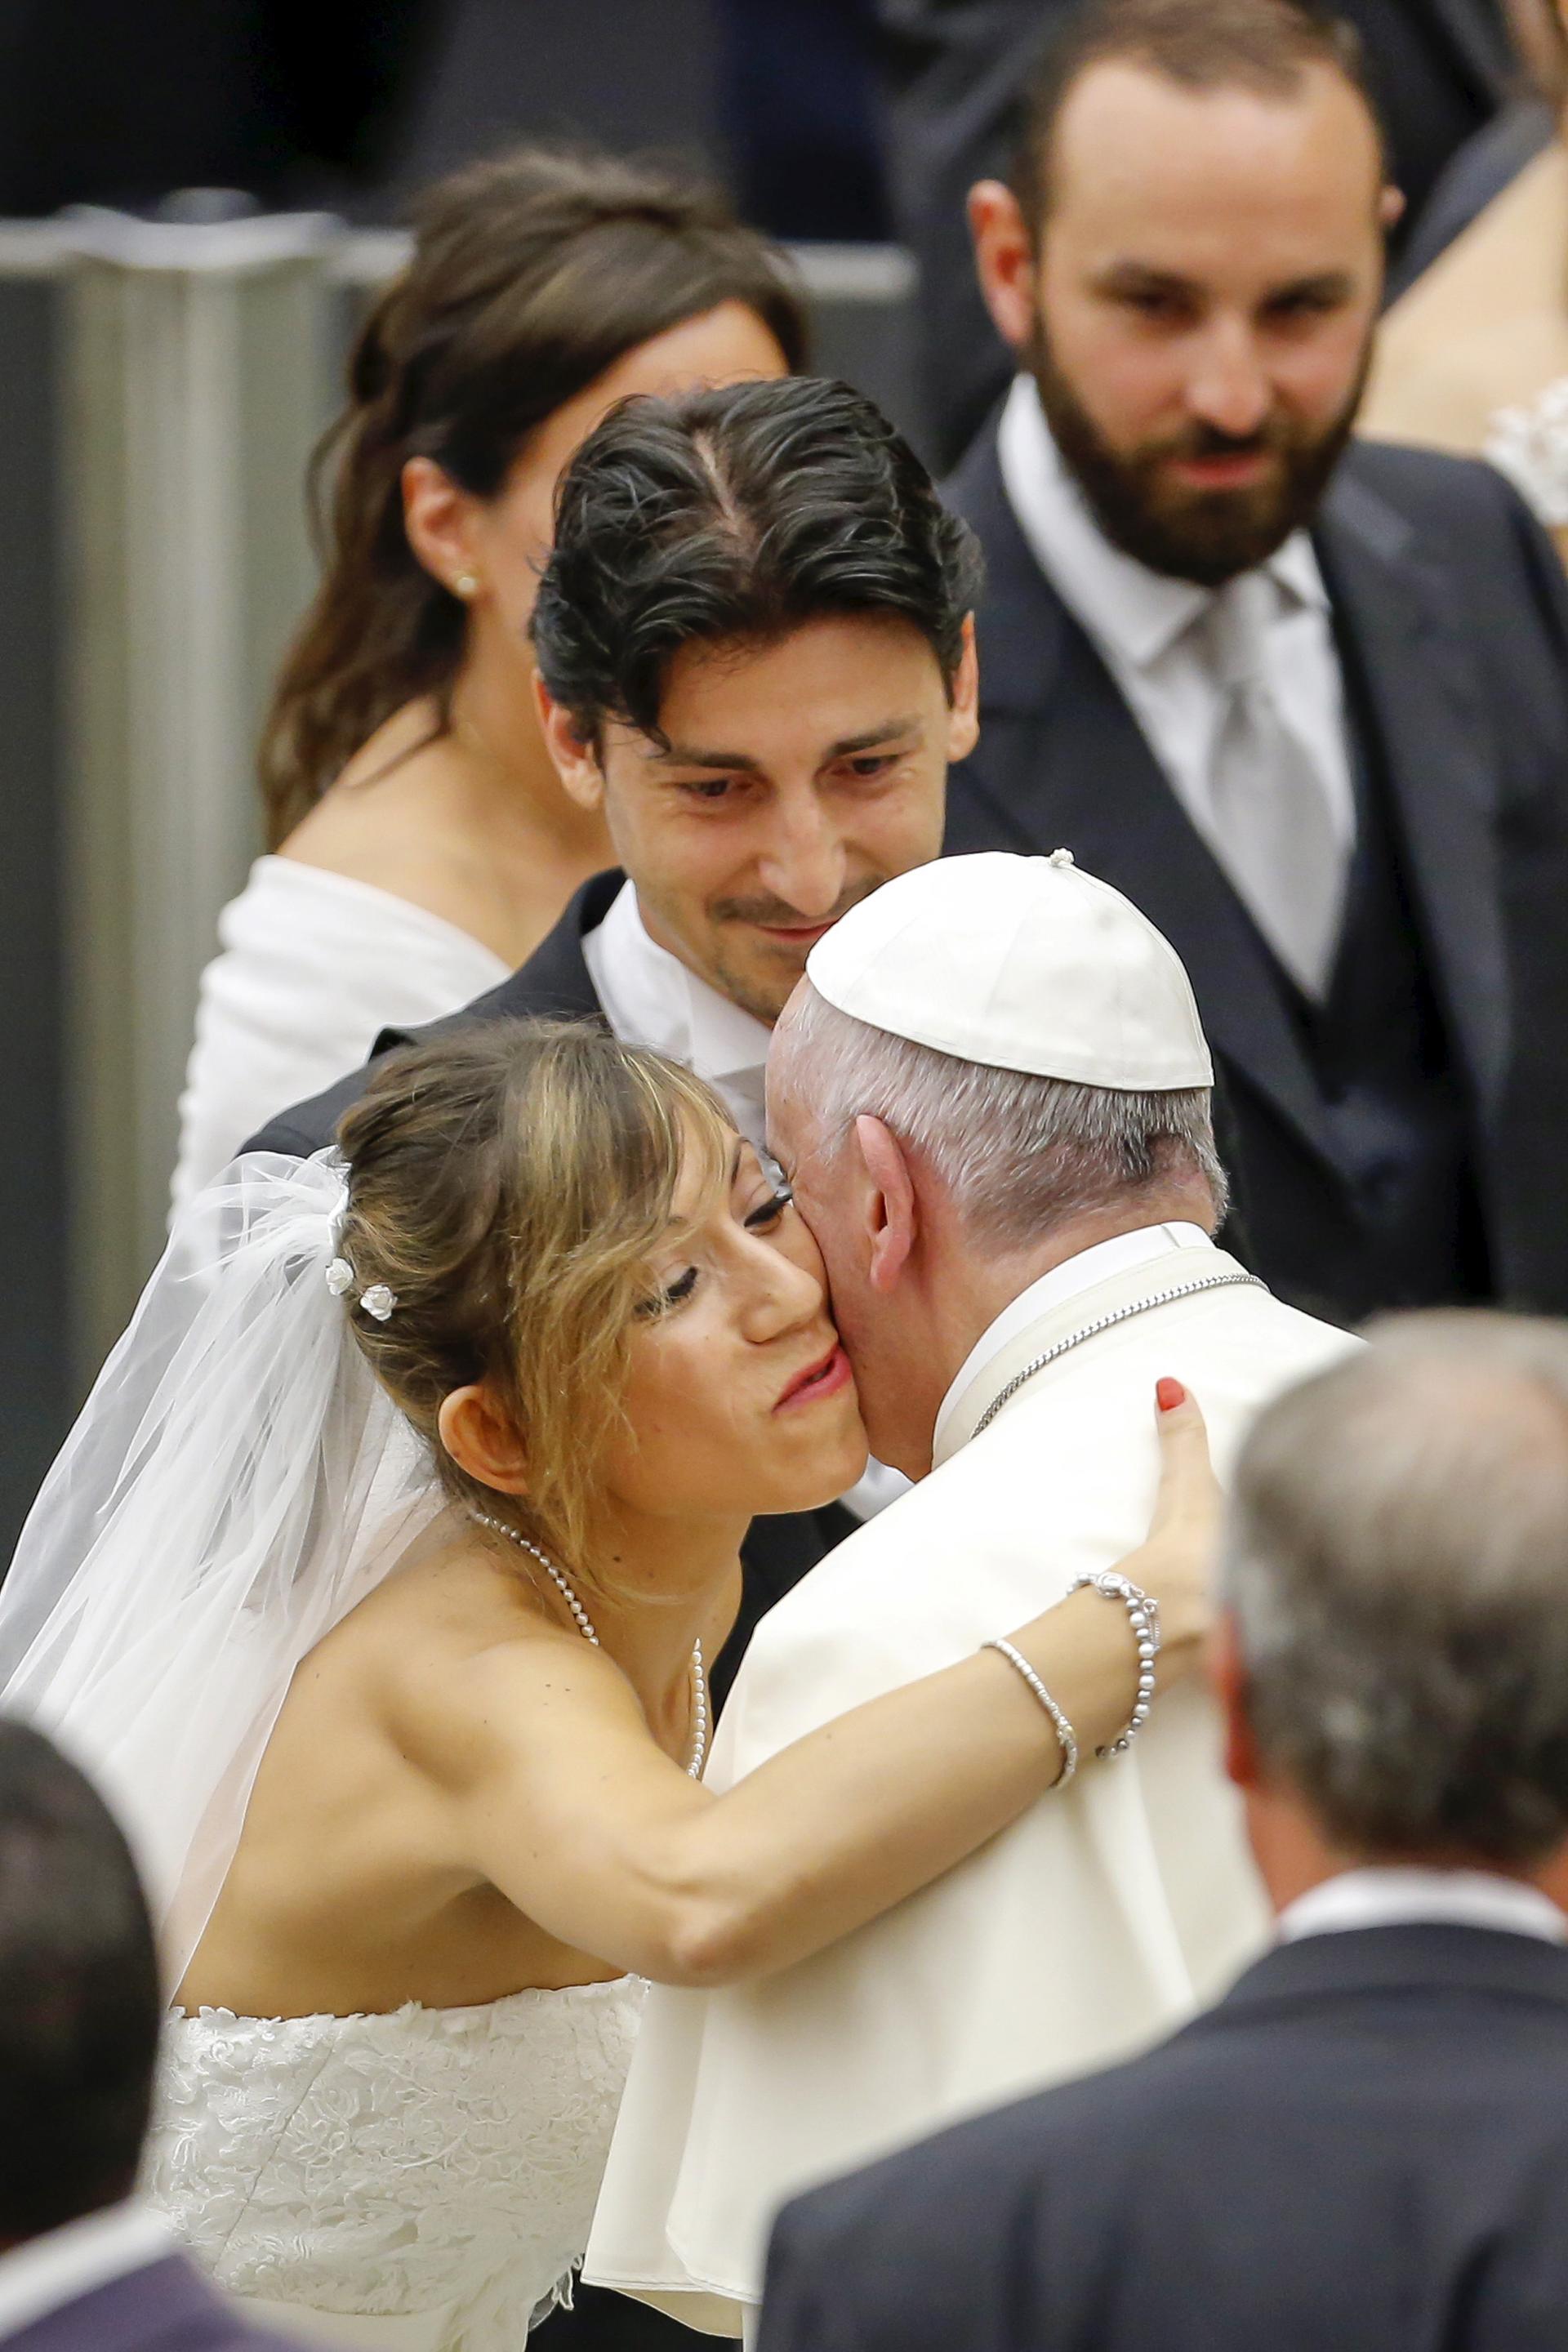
(509, 1185)
(532, 275)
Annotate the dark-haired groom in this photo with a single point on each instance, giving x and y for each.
(755, 654)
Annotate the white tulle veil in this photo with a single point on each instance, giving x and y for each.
(235, 1483)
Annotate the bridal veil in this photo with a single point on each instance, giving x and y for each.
(235, 1483)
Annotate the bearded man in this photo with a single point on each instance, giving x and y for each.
(1305, 701)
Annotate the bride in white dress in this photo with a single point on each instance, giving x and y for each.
(375, 1586)
(422, 844)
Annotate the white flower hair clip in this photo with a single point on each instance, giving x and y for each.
(377, 1301)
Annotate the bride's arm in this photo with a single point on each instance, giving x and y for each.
(565, 1804)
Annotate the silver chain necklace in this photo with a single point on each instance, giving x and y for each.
(585, 1627)
(1223, 1281)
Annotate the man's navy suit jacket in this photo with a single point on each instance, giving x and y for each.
(1363, 2149)
(1450, 611)
(167, 2306)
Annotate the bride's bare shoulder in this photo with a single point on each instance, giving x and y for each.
(448, 1646)
(448, 1601)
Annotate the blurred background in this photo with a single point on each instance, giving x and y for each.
(196, 199)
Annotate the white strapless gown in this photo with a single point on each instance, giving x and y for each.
(433, 2171)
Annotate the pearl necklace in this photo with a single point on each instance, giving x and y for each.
(584, 1626)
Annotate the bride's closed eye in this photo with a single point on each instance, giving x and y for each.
(671, 1295)
(767, 1213)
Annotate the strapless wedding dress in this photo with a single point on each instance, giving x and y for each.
(433, 2171)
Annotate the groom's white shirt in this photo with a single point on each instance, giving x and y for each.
(1095, 1923)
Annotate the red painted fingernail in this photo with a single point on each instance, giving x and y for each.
(1169, 1394)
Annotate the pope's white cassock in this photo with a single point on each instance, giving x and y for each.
(1097, 1922)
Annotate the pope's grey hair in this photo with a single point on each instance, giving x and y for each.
(1017, 1154)
(1397, 1572)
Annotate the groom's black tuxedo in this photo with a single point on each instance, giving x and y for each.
(555, 980)
(1364, 2147)
(1401, 1144)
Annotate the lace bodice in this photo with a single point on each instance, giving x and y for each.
(428, 2160)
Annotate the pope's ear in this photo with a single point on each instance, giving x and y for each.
(889, 1203)
(576, 759)
(482, 1440)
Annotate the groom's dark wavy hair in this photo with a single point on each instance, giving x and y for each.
(735, 517)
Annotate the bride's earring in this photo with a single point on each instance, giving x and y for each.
(465, 584)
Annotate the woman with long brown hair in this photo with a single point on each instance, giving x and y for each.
(375, 1586)
(421, 845)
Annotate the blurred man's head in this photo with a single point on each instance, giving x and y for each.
(1395, 1659)
(79, 2001)
(938, 1185)
(1189, 261)
(754, 650)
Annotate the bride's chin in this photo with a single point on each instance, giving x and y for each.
(835, 1470)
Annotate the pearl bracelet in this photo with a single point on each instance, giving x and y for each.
(1066, 1736)
(1144, 1616)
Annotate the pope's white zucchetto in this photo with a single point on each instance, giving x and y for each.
(1018, 963)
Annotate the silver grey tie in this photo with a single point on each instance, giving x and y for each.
(1270, 798)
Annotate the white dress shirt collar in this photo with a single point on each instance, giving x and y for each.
(1120, 1255)
(1132, 612)
(651, 998)
(1402, 1897)
(43, 2274)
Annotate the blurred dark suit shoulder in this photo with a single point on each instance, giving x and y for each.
(166, 2307)
(1365, 2146)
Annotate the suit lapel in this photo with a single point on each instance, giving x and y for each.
(1062, 763)
(1416, 673)
(555, 980)
(554, 984)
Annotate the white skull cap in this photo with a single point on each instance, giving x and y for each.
(1018, 963)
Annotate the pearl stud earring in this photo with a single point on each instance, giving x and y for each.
(465, 584)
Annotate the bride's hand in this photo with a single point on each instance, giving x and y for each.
(1176, 1562)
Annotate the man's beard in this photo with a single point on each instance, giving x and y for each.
(1206, 536)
